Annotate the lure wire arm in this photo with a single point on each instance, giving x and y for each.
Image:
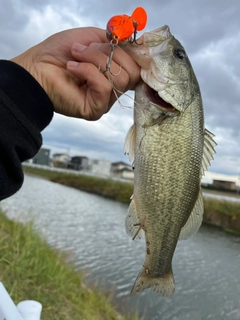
(113, 43)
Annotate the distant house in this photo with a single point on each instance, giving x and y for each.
(42, 157)
(99, 167)
(221, 181)
(122, 170)
(61, 160)
(224, 185)
(78, 163)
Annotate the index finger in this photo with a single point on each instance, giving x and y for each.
(121, 58)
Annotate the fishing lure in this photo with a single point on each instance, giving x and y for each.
(121, 28)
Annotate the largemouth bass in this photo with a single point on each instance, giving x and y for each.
(170, 149)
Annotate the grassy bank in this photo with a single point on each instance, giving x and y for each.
(223, 214)
(220, 213)
(29, 269)
(116, 190)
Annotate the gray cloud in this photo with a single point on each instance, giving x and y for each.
(104, 138)
(209, 31)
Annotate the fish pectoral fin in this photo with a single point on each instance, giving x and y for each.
(130, 143)
(163, 286)
(194, 221)
(132, 224)
(208, 150)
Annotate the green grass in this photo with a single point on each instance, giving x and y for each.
(121, 191)
(232, 231)
(227, 208)
(216, 212)
(112, 189)
(108, 188)
(30, 269)
(48, 174)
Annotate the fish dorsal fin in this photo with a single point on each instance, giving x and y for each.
(132, 224)
(194, 221)
(130, 143)
(208, 150)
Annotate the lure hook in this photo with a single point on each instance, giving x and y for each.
(135, 35)
(113, 43)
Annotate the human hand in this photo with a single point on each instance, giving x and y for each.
(69, 74)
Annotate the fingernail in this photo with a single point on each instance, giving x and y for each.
(78, 47)
(72, 64)
(95, 45)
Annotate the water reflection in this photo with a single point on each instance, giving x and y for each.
(91, 229)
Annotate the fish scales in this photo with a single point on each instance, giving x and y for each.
(166, 143)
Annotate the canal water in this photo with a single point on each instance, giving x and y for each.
(91, 229)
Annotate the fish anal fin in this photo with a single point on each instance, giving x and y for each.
(194, 221)
(208, 150)
(130, 143)
(163, 286)
(132, 224)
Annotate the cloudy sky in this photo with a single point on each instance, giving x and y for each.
(210, 33)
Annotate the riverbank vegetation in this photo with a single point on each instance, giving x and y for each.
(224, 214)
(29, 269)
(109, 188)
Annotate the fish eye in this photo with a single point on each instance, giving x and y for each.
(180, 54)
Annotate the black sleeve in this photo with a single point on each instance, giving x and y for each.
(25, 110)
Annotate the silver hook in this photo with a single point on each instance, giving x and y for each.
(113, 43)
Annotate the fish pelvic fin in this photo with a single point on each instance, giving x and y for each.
(163, 286)
(132, 223)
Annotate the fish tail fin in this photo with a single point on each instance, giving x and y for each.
(163, 286)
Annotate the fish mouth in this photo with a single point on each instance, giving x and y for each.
(156, 99)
